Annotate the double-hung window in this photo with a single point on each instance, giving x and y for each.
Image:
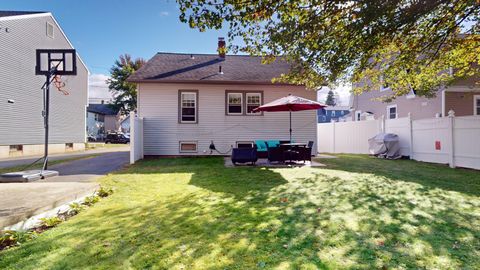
(242, 102)
(476, 105)
(188, 106)
(392, 111)
(234, 103)
(253, 100)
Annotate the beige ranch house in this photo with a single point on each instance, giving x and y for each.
(188, 101)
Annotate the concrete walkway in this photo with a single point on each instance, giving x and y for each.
(19, 201)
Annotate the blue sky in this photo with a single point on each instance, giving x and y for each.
(102, 30)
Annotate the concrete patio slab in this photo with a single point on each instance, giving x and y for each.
(325, 156)
(264, 163)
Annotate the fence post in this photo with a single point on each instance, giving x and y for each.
(132, 137)
(333, 137)
(382, 124)
(410, 130)
(451, 126)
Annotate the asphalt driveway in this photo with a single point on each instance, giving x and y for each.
(19, 201)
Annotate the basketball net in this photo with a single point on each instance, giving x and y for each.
(60, 85)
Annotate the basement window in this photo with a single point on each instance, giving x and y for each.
(188, 147)
(245, 144)
(16, 148)
(69, 146)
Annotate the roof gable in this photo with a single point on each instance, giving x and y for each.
(209, 68)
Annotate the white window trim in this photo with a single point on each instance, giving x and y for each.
(181, 107)
(241, 103)
(246, 102)
(475, 98)
(332, 113)
(388, 111)
(244, 142)
(382, 89)
(187, 151)
(359, 113)
(53, 30)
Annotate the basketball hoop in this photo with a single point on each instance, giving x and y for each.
(53, 63)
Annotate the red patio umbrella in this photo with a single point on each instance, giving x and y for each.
(291, 104)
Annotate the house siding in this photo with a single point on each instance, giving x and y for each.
(111, 123)
(418, 107)
(460, 102)
(158, 105)
(22, 122)
(458, 96)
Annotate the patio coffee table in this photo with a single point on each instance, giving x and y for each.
(291, 147)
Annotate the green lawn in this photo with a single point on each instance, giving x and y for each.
(193, 213)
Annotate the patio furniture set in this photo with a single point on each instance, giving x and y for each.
(273, 150)
(279, 151)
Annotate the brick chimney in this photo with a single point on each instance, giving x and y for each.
(221, 47)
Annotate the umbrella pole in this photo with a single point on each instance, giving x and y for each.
(290, 126)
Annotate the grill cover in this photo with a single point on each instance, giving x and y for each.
(386, 145)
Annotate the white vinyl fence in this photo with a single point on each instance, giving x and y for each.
(136, 138)
(448, 140)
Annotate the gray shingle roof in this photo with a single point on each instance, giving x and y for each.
(204, 68)
(8, 13)
(104, 109)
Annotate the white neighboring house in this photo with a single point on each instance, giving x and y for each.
(188, 101)
(22, 132)
(101, 120)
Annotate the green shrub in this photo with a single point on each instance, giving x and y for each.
(91, 200)
(50, 222)
(14, 238)
(104, 192)
(75, 208)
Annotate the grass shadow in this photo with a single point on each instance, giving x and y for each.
(193, 213)
(428, 175)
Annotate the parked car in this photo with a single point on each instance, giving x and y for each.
(116, 138)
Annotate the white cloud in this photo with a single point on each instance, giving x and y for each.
(164, 13)
(343, 91)
(98, 88)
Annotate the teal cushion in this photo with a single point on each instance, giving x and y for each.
(261, 147)
(273, 143)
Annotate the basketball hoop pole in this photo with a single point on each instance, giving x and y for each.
(46, 112)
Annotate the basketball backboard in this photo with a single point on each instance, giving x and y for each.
(64, 61)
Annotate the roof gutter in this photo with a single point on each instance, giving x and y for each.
(211, 82)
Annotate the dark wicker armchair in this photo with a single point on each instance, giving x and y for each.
(244, 155)
(275, 154)
(306, 153)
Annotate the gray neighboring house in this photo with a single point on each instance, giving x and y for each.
(463, 97)
(22, 132)
(101, 120)
(189, 100)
